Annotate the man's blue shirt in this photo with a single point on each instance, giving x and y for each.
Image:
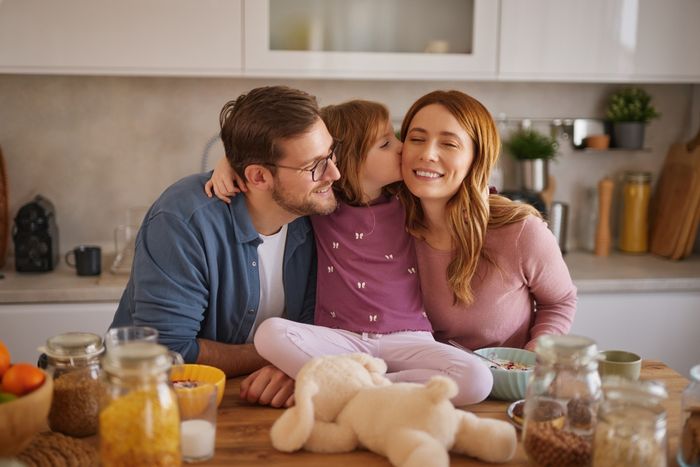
(195, 271)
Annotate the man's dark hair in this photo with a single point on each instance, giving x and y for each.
(253, 124)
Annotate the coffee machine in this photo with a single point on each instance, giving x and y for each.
(35, 235)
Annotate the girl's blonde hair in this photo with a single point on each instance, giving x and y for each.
(356, 125)
(470, 211)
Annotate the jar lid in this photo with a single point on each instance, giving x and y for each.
(137, 359)
(73, 345)
(568, 348)
(638, 177)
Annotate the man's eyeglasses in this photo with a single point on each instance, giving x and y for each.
(317, 170)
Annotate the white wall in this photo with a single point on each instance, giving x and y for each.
(96, 146)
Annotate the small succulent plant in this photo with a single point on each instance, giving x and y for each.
(631, 105)
(531, 144)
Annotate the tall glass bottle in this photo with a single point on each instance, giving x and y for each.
(139, 419)
(562, 402)
(689, 446)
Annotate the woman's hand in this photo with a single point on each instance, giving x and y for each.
(224, 182)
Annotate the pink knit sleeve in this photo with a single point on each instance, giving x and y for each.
(548, 279)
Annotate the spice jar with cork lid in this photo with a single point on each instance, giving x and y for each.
(139, 418)
(562, 402)
(634, 231)
(631, 429)
(689, 447)
(73, 360)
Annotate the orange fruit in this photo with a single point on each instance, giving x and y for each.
(4, 359)
(22, 378)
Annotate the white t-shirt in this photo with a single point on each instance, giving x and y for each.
(270, 268)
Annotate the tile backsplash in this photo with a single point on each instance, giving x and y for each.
(97, 146)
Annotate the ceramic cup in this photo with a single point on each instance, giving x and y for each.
(619, 363)
(87, 260)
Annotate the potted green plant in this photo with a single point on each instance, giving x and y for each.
(629, 110)
(533, 151)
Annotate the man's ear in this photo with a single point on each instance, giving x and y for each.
(258, 176)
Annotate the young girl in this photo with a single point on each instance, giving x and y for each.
(368, 295)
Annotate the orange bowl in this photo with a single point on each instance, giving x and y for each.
(22, 418)
(200, 373)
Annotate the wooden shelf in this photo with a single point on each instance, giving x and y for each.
(612, 150)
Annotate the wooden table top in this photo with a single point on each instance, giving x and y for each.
(242, 436)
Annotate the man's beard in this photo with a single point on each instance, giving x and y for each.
(302, 206)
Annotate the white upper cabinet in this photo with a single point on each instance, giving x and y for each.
(535, 40)
(124, 37)
(400, 39)
(600, 40)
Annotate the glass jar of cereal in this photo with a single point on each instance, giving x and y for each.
(73, 360)
(631, 429)
(139, 419)
(562, 402)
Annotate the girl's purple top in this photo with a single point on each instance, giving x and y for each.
(367, 270)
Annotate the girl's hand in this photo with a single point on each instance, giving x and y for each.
(224, 182)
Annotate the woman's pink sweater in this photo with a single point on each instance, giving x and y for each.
(527, 293)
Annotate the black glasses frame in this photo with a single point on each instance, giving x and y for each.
(321, 164)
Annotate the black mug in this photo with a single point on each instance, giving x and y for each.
(88, 260)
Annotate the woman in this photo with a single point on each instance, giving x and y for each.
(491, 272)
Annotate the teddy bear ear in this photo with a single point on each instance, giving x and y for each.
(372, 364)
(293, 428)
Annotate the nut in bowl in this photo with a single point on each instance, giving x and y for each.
(189, 377)
(511, 376)
(24, 417)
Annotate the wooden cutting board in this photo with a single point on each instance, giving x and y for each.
(676, 201)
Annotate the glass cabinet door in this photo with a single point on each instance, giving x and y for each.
(372, 38)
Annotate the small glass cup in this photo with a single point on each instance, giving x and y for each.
(197, 421)
(122, 335)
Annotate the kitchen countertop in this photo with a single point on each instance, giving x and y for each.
(617, 273)
(61, 285)
(633, 273)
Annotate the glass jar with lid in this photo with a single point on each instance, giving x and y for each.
(562, 402)
(139, 419)
(689, 446)
(73, 360)
(634, 231)
(631, 429)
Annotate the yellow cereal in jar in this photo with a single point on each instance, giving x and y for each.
(141, 428)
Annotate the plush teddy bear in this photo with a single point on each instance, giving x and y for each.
(343, 402)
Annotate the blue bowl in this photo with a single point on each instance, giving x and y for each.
(509, 385)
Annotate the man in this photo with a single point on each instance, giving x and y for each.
(206, 273)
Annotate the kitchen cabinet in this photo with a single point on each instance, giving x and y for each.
(600, 40)
(26, 326)
(655, 325)
(128, 37)
(401, 39)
